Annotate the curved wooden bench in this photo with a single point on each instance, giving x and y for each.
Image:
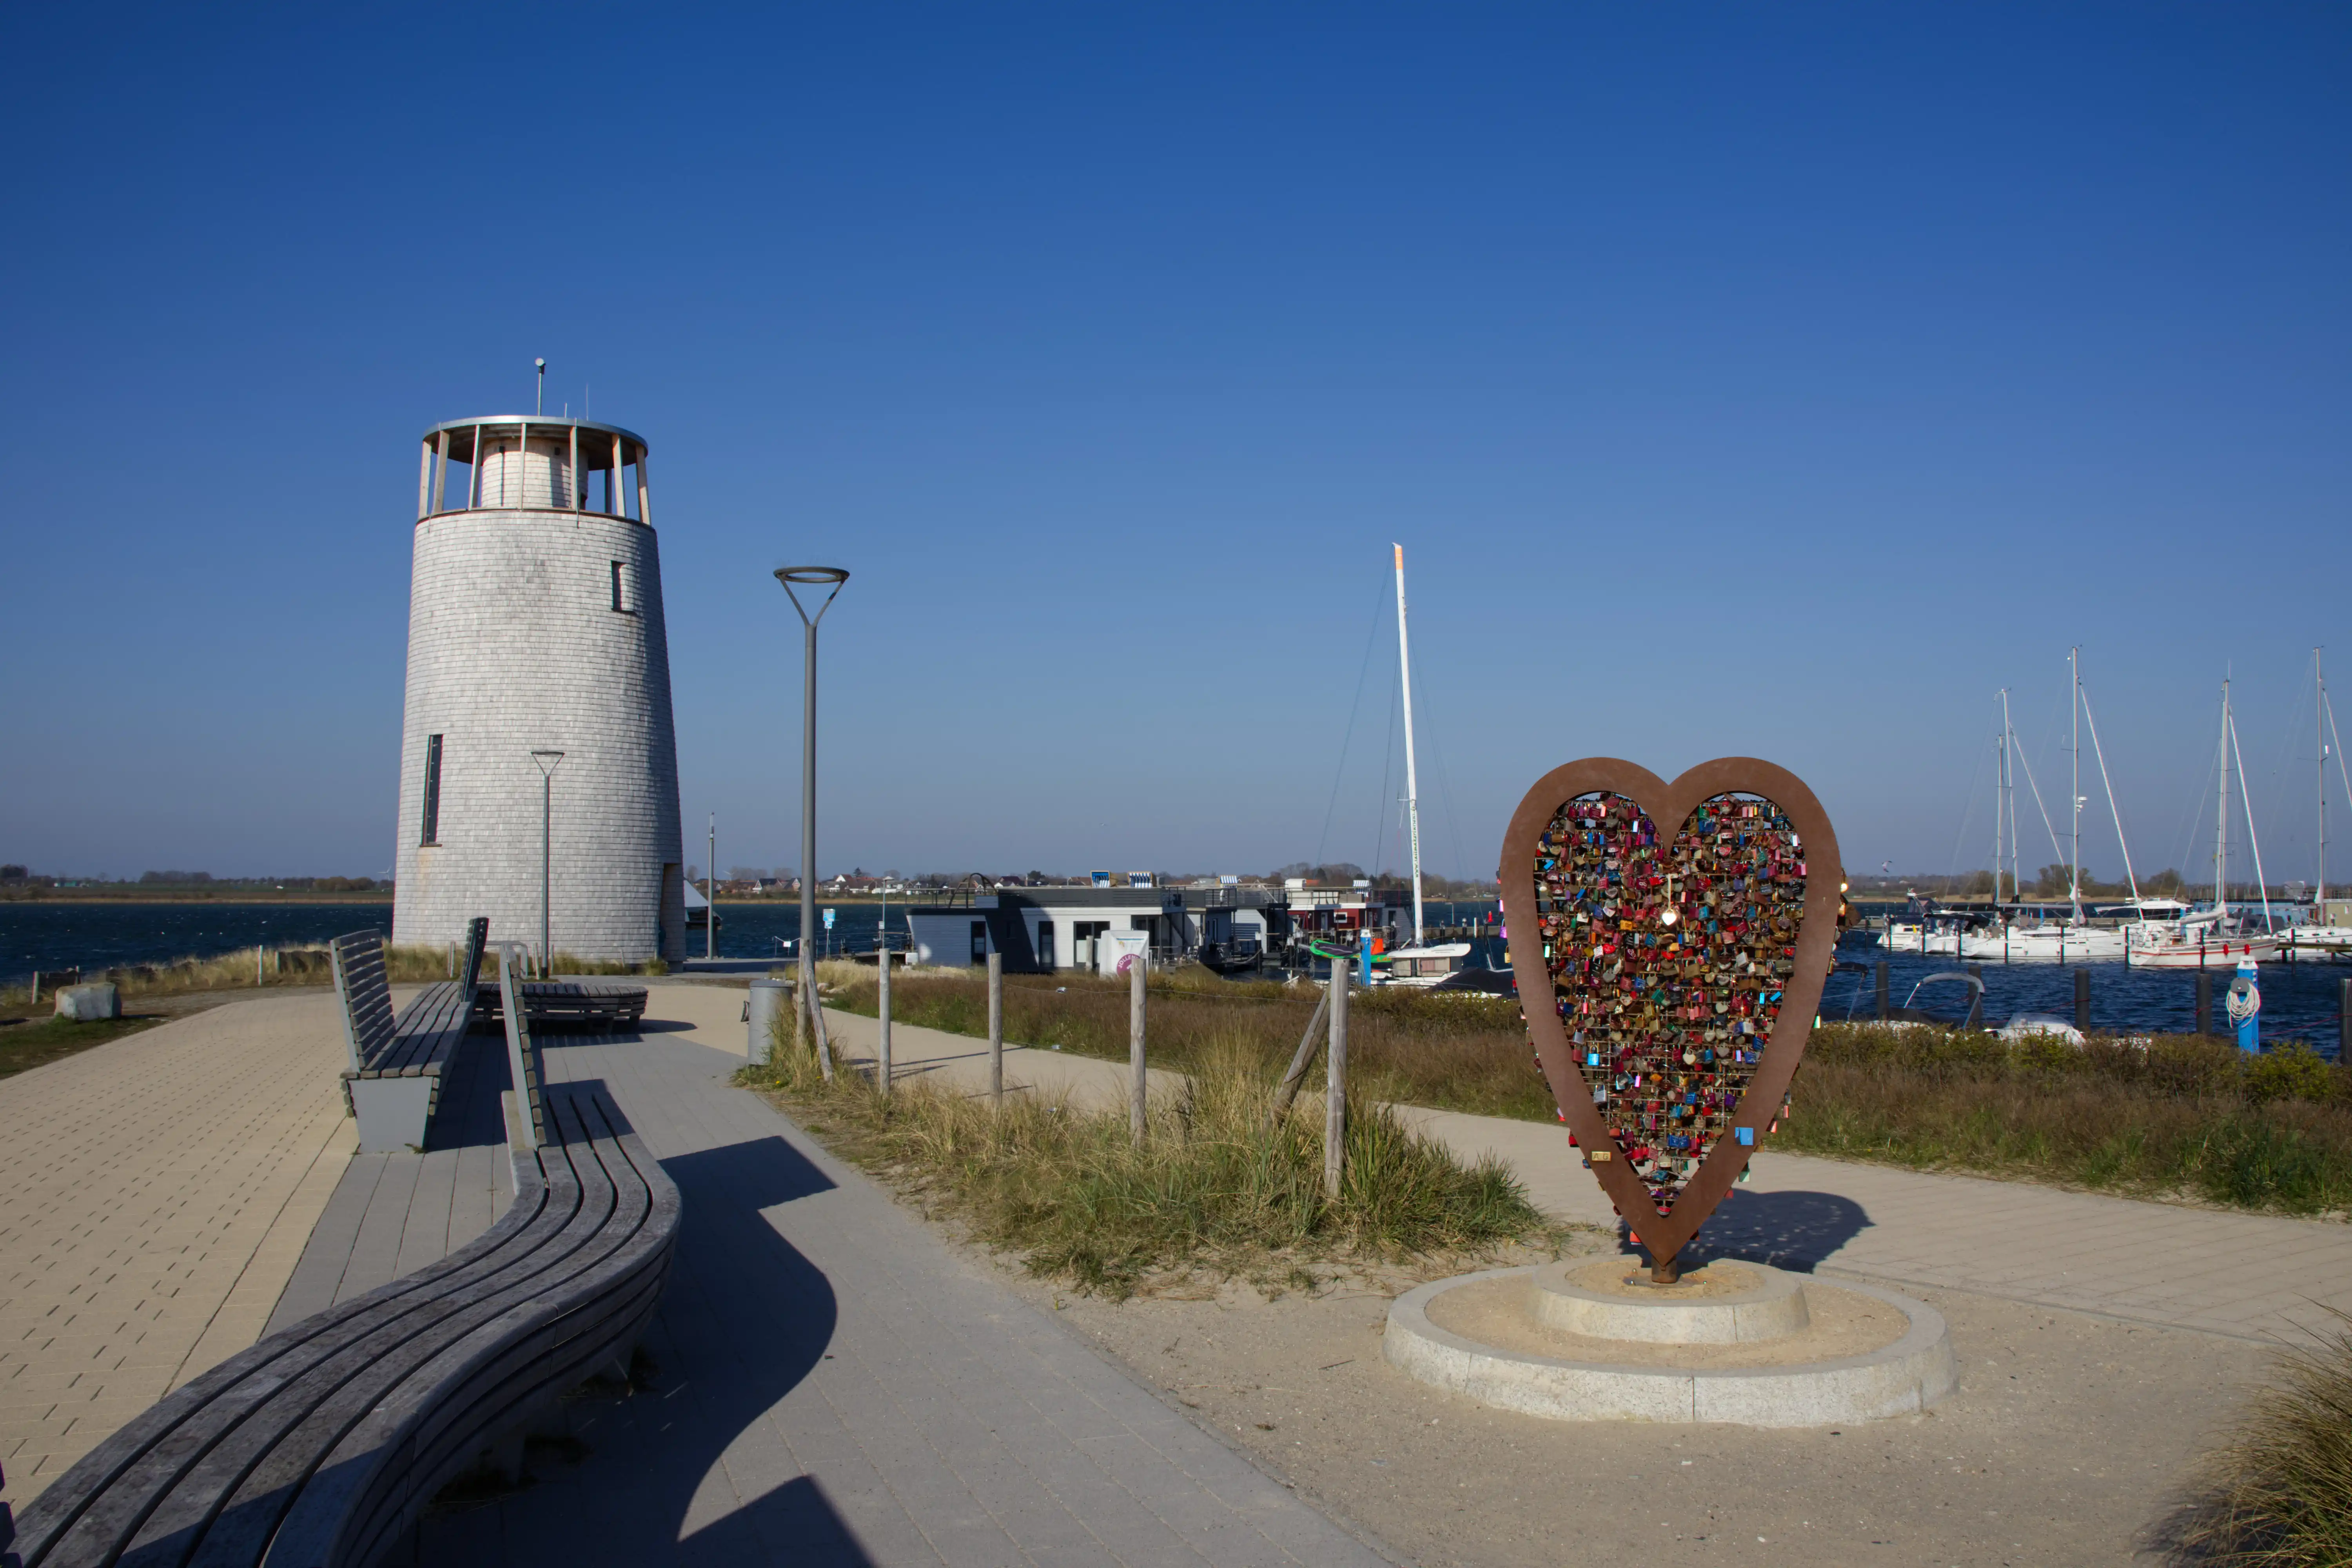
(322, 1445)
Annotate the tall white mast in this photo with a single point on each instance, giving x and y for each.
(2074, 732)
(2319, 725)
(2221, 823)
(2010, 774)
(1412, 782)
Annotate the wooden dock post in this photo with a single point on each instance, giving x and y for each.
(882, 1034)
(1335, 1092)
(995, 1027)
(2083, 1000)
(1138, 1080)
(1887, 987)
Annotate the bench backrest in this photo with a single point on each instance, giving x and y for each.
(366, 992)
(477, 932)
(522, 1056)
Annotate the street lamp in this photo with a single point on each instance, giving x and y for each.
(547, 761)
(812, 577)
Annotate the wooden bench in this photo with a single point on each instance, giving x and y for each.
(394, 1083)
(322, 1445)
(583, 1003)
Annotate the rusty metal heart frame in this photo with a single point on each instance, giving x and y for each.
(1669, 807)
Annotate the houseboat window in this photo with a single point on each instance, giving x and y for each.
(979, 942)
(1045, 943)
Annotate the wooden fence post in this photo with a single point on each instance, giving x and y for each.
(882, 1032)
(1335, 1093)
(1303, 1056)
(1138, 1080)
(995, 1027)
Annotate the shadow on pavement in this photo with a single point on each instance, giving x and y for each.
(744, 1319)
(1787, 1230)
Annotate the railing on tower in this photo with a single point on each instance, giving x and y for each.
(517, 462)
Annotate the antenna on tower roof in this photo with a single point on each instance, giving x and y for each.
(541, 406)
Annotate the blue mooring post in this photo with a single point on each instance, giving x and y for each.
(2246, 1005)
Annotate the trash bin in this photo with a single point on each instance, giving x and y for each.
(760, 1014)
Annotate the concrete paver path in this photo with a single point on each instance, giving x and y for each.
(155, 1193)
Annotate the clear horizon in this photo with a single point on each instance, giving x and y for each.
(1737, 383)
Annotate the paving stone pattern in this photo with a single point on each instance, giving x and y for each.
(155, 1192)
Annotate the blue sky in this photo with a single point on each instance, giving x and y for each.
(1770, 380)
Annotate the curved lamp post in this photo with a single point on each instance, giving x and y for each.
(811, 578)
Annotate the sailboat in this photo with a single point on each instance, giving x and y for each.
(2007, 936)
(2213, 937)
(2319, 937)
(1418, 963)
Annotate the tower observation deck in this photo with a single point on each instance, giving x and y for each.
(535, 626)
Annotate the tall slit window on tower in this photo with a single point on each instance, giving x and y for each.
(432, 791)
(624, 602)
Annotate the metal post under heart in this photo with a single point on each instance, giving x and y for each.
(1670, 941)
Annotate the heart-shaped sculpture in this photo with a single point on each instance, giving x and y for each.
(1670, 942)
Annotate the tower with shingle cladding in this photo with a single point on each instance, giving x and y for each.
(535, 624)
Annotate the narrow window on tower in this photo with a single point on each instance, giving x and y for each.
(432, 791)
(621, 596)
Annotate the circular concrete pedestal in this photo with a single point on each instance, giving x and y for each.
(1578, 1343)
(1723, 1303)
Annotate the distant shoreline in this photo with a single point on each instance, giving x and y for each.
(77, 896)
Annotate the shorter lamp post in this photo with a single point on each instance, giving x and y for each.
(547, 760)
(830, 578)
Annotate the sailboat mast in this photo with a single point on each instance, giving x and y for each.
(2008, 795)
(1412, 780)
(2074, 734)
(2319, 728)
(2221, 823)
(2000, 770)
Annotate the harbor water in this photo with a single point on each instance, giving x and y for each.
(2300, 1001)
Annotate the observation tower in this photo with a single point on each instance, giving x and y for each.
(535, 628)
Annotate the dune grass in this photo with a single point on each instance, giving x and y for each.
(2159, 1116)
(1220, 1186)
(2151, 1116)
(1465, 1052)
(2277, 1493)
(304, 964)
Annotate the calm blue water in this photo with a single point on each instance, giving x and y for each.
(104, 936)
(2300, 1001)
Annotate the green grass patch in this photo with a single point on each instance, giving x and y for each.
(1221, 1184)
(31, 1042)
(2153, 1116)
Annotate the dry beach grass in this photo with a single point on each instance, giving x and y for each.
(2166, 1116)
(1220, 1186)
